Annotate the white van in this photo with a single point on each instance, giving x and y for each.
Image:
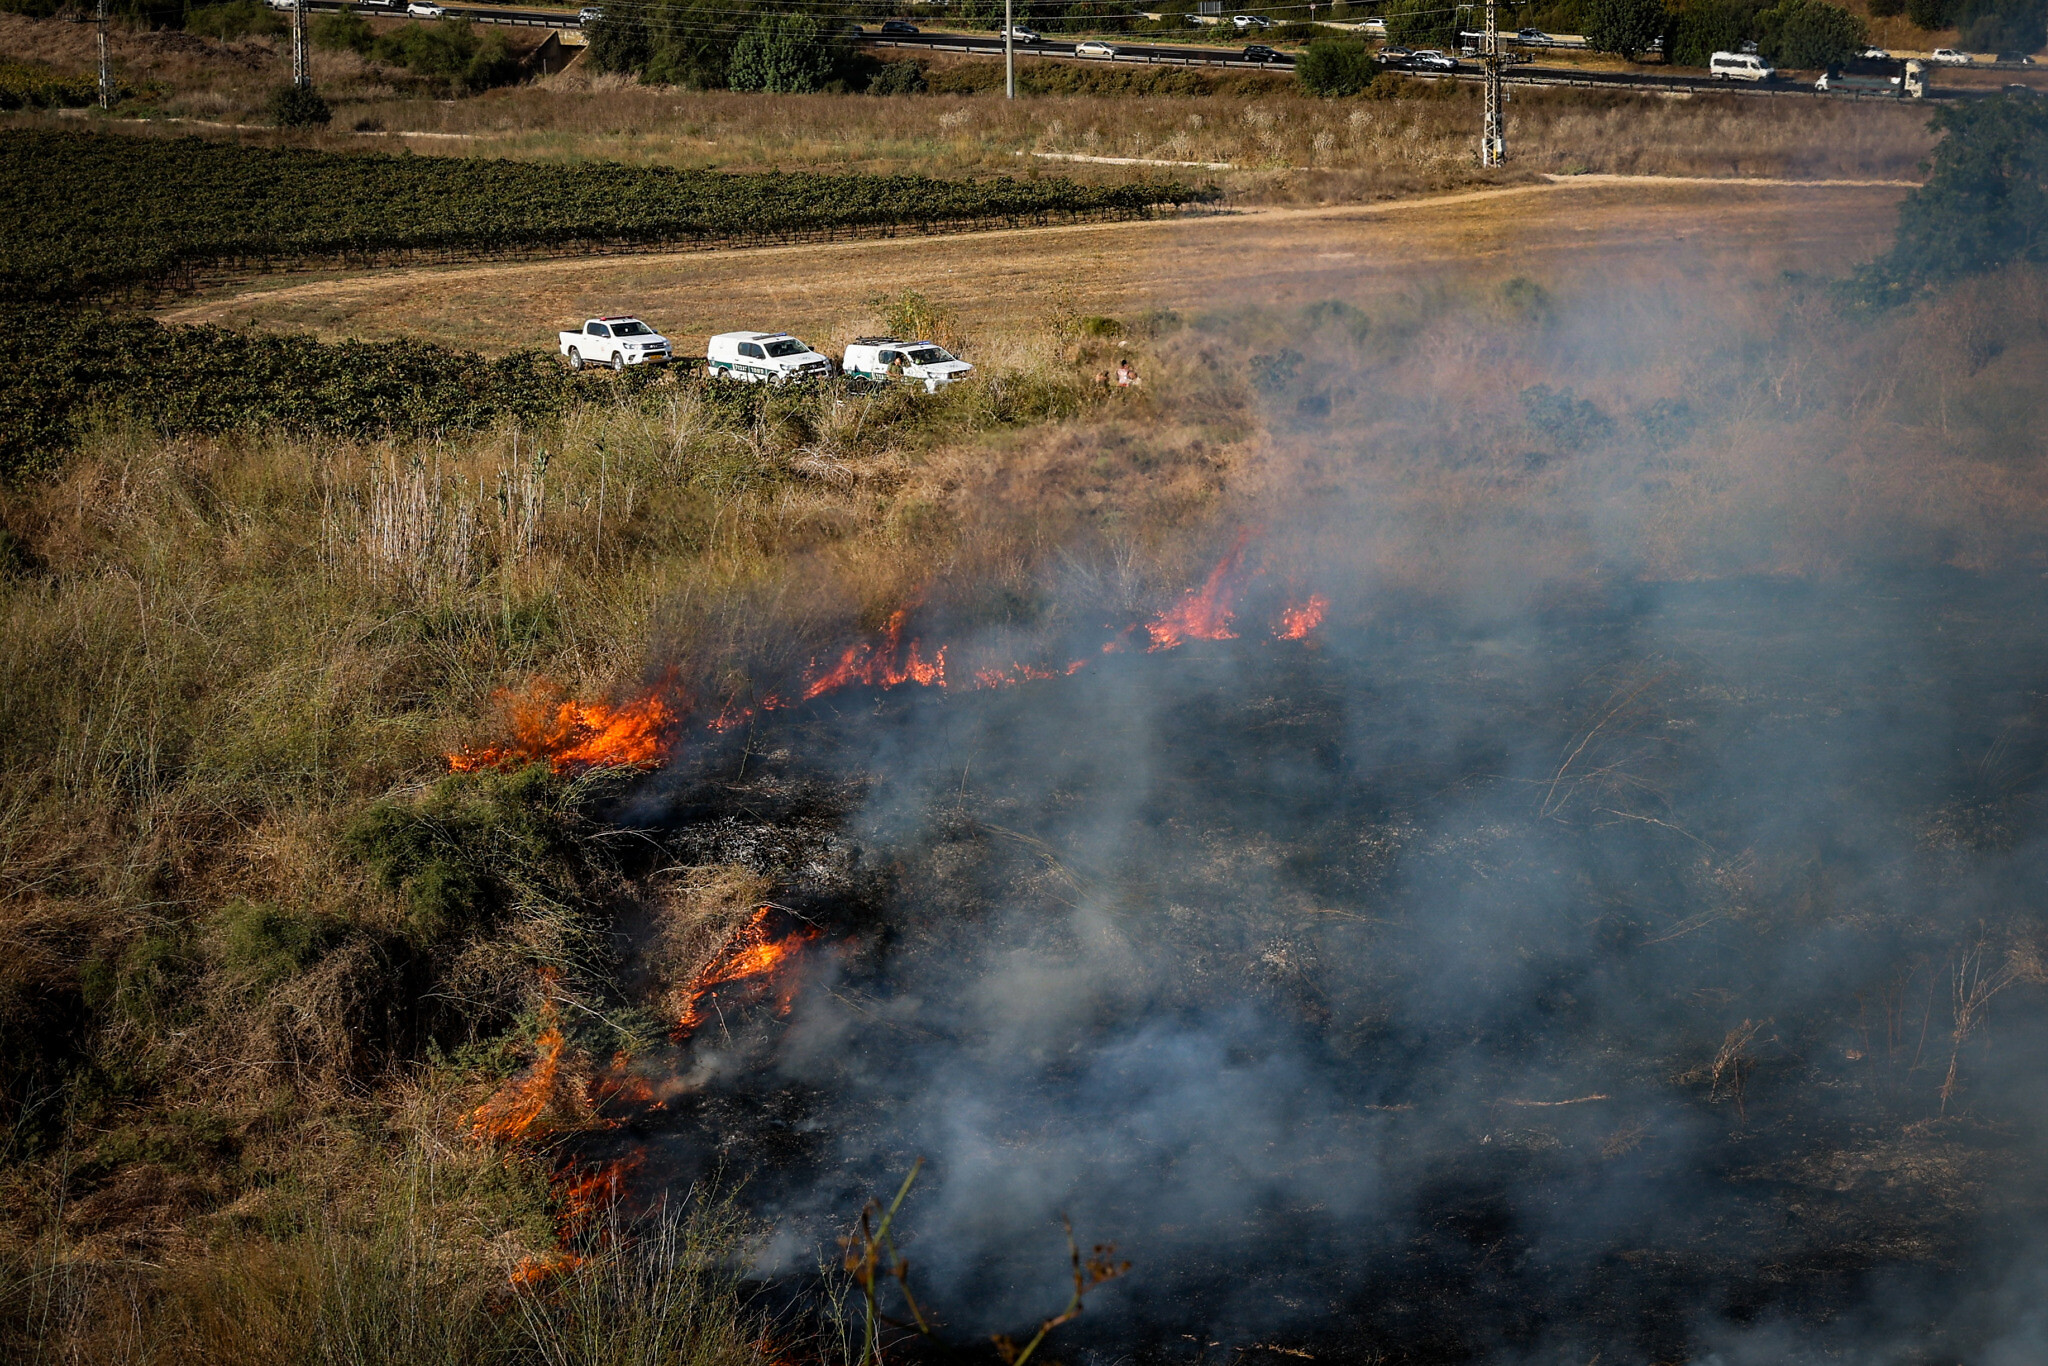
(1739, 66)
(871, 357)
(763, 358)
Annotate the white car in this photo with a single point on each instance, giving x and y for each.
(1430, 59)
(1739, 66)
(420, 9)
(282, 4)
(1874, 54)
(617, 342)
(1018, 34)
(763, 358)
(887, 358)
(1948, 56)
(1091, 48)
(1250, 21)
(1534, 37)
(588, 15)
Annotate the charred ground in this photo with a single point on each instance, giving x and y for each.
(1582, 978)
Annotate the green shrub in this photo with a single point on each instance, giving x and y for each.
(1353, 321)
(297, 106)
(784, 54)
(1811, 34)
(1983, 207)
(1421, 23)
(1271, 374)
(450, 50)
(1931, 14)
(344, 31)
(236, 19)
(1569, 422)
(2003, 26)
(1527, 300)
(897, 78)
(1703, 27)
(262, 945)
(1623, 27)
(1333, 67)
(25, 85)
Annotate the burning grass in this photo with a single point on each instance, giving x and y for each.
(243, 894)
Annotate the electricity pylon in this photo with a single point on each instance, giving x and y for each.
(1493, 143)
(302, 69)
(106, 73)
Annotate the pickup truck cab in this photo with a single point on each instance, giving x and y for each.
(887, 358)
(617, 342)
(764, 358)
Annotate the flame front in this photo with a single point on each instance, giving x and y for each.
(512, 1113)
(882, 664)
(751, 956)
(1204, 613)
(1300, 618)
(568, 735)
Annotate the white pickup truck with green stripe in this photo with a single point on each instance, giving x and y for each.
(764, 358)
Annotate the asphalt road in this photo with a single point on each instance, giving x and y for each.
(1226, 57)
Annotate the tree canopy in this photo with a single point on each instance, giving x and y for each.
(1624, 27)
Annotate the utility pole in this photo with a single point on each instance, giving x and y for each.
(106, 72)
(1493, 145)
(1009, 57)
(302, 73)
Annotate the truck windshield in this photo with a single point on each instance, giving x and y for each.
(929, 355)
(632, 329)
(788, 346)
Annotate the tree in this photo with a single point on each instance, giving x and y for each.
(1811, 35)
(782, 54)
(1705, 27)
(1335, 66)
(293, 106)
(2003, 26)
(1624, 27)
(1422, 23)
(1931, 14)
(1984, 205)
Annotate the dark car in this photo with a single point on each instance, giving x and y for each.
(898, 26)
(1259, 52)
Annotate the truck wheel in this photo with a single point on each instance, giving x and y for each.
(575, 359)
(619, 361)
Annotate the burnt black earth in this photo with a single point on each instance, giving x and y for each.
(1647, 976)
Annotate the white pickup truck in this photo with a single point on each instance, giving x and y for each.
(617, 342)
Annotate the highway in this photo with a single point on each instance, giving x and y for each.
(1528, 73)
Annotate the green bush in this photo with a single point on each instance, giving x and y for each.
(1623, 27)
(1886, 9)
(897, 78)
(25, 85)
(344, 31)
(1811, 35)
(463, 854)
(1567, 421)
(1421, 23)
(783, 54)
(262, 945)
(1333, 67)
(298, 106)
(2003, 26)
(1983, 207)
(236, 19)
(450, 50)
(1931, 14)
(1704, 27)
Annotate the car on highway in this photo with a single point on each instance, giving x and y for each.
(2014, 59)
(1091, 48)
(1017, 33)
(898, 26)
(1243, 22)
(1534, 37)
(390, 6)
(614, 341)
(1739, 66)
(588, 15)
(1259, 52)
(1429, 59)
(1874, 54)
(1395, 57)
(764, 358)
(283, 4)
(1948, 56)
(422, 9)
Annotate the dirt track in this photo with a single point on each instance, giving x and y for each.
(1551, 230)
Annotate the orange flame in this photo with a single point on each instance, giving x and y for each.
(583, 1195)
(751, 956)
(1300, 618)
(512, 1113)
(1023, 673)
(881, 664)
(570, 735)
(1204, 613)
